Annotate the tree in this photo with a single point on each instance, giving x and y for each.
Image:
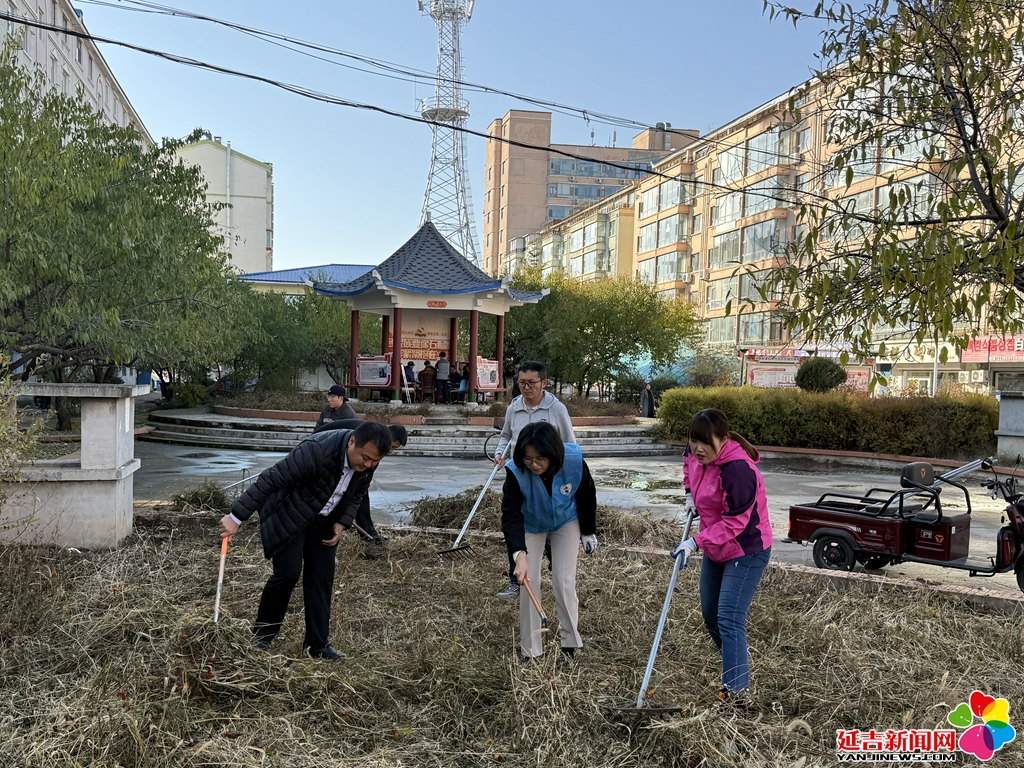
(929, 94)
(108, 257)
(709, 367)
(590, 332)
(820, 374)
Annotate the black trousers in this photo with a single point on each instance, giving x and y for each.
(443, 391)
(306, 556)
(363, 519)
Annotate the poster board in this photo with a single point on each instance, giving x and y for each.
(423, 336)
(487, 376)
(771, 376)
(374, 371)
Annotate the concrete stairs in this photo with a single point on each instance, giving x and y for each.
(441, 436)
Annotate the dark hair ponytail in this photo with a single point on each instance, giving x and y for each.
(711, 423)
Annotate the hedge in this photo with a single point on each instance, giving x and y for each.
(942, 427)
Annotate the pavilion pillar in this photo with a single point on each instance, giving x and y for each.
(385, 347)
(396, 358)
(499, 349)
(474, 349)
(353, 354)
(453, 341)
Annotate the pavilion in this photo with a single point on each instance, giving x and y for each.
(422, 291)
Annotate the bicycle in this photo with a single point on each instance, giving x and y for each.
(491, 445)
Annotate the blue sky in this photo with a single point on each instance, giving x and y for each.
(349, 184)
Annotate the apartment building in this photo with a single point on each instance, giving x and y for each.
(246, 185)
(526, 187)
(67, 62)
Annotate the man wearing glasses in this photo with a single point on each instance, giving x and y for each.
(535, 404)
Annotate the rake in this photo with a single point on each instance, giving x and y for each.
(463, 551)
(220, 578)
(536, 603)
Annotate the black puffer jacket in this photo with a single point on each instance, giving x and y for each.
(290, 494)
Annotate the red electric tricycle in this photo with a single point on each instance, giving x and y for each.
(908, 525)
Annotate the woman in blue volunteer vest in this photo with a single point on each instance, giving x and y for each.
(548, 493)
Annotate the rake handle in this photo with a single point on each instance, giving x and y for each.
(480, 498)
(534, 600)
(680, 561)
(220, 578)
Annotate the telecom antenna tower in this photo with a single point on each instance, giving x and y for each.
(447, 202)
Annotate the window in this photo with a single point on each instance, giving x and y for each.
(730, 165)
(558, 211)
(65, 83)
(576, 240)
(759, 327)
(915, 146)
(722, 330)
(576, 266)
(721, 292)
(751, 283)
(611, 172)
(668, 294)
(547, 252)
(488, 239)
(503, 164)
(667, 268)
(670, 194)
(671, 229)
(78, 51)
(648, 238)
(590, 234)
(861, 203)
(803, 140)
(270, 238)
(803, 183)
(698, 185)
(726, 250)
(694, 262)
(759, 240)
(488, 195)
(502, 190)
(53, 70)
(587, 168)
(501, 213)
(488, 219)
(649, 202)
(589, 262)
(696, 223)
(763, 151)
(647, 270)
(909, 199)
(90, 69)
(560, 167)
(764, 195)
(728, 208)
(588, 191)
(53, 12)
(501, 235)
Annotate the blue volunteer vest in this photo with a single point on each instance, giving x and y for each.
(541, 512)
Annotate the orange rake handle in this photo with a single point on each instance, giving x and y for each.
(535, 601)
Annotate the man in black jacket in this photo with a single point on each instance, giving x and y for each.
(305, 502)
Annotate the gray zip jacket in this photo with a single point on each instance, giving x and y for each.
(519, 415)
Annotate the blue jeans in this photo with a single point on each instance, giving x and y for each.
(726, 591)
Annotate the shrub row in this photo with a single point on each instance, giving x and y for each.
(945, 426)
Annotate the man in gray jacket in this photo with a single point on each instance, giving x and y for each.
(535, 404)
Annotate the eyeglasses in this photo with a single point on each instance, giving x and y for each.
(528, 383)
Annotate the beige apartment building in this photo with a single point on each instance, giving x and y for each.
(524, 188)
(247, 186)
(67, 62)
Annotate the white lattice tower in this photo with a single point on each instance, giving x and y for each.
(447, 202)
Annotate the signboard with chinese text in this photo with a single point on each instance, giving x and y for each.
(770, 376)
(374, 371)
(487, 374)
(424, 336)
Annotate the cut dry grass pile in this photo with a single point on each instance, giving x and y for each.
(112, 659)
(210, 496)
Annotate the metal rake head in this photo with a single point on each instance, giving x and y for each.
(464, 552)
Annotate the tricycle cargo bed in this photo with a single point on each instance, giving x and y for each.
(867, 533)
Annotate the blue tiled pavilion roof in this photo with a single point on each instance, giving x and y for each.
(427, 263)
(335, 273)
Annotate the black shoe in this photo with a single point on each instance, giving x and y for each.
(262, 642)
(565, 658)
(511, 592)
(527, 661)
(327, 652)
(378, 538)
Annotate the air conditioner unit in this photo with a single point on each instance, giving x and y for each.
(964, 377)
(704, 274)
(977, 377)
(684, 277)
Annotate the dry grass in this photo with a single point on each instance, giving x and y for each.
(112, 659)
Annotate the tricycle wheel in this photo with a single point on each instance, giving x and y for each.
(833, 553)
(874, 562)
(1020, 579)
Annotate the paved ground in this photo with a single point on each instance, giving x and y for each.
(641, 484)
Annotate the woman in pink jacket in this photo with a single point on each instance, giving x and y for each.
(725, 487)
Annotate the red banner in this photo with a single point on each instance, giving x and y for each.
(994, 349)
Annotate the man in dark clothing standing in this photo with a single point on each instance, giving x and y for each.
(337, 408)
(443, 369)
(305, 502)
(399, 437)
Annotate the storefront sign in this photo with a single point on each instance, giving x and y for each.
(994, 349)
(373, 371)
(487, 374)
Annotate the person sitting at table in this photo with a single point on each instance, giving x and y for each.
(455, 384)
(410, 373)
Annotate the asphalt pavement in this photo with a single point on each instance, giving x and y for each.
(643, 485)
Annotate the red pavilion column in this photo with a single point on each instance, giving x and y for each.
(353, 353)
(499, 349)
(396, 357)
(474, 348)
(385, 347)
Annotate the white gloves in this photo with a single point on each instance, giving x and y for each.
(686, 547)
(589, 544)
(689, 506)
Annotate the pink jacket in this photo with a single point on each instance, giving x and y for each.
(730, 498)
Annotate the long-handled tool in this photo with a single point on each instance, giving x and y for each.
(220, 578)
(463, 551)
(680, 562)
(536, 603)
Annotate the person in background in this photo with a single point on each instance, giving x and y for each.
(647, 402)
(456, 386)
(410, 373)
(305, 502)
(443, 370)
(724, 486)
(535, 404)
(337, 408)
(399, 438)
(548, 495)
(516, 392)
